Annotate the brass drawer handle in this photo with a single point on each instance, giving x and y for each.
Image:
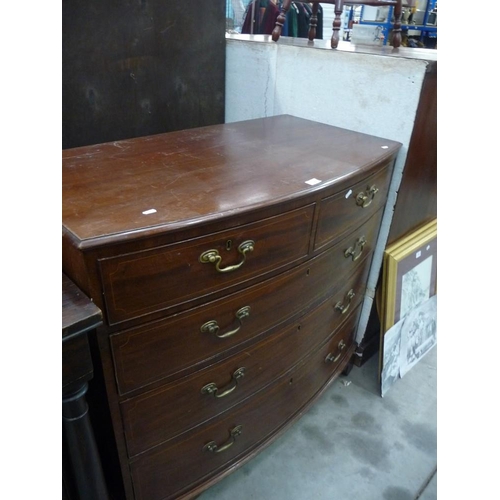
(333, 359)
(339, 306)
(213, 389)
(213, 257)
(214, 448)
(353, 251)
(213, 327)
(364, 199)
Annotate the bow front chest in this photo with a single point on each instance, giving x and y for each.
(230, 263)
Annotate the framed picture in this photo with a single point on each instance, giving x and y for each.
(409, 274)
(408, 303)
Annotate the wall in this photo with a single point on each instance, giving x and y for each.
(374, 90)
(136, 68)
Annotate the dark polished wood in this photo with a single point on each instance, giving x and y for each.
(279, 241)
(147, 424)
(79, 315)
(84, 474)
(138, 219)
(337, 23)
(259, 418)
(416, 203)
(337, 218)
(139, 353)
(197, 176)
(139, 68)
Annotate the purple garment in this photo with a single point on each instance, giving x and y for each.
(263, 23)
(269, 19)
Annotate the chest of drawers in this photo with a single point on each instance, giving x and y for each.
(230, 264)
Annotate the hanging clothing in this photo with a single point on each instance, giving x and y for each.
(264, 18)
(292, 20)
(265, 13)
(303, 18)
(319, 31)
(269, 19)
(302, 21)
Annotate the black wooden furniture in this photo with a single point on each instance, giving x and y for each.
(82, 473)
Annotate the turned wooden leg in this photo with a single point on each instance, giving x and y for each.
(396, 32)
(280, 21)
(313, 23)
(339, 7)
(83, 453)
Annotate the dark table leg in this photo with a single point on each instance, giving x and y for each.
(84, 457)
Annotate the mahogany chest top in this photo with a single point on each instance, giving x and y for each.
(156, 184)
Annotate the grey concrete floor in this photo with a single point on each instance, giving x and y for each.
(351, 444)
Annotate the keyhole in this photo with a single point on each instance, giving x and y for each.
(229, 244)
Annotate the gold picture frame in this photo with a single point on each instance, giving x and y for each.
(401, 259)
(407, 303)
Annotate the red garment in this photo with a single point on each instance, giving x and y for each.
(263, 23)
(269, 19)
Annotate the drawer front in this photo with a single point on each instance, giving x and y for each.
(159, 415)
(161, 473)
(186, 341)
(153, 280)
(339, 213)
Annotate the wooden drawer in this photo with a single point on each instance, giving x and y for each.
(159, 415)
(152, 280)
(339, 213)
(139, 353)
(161, 473)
